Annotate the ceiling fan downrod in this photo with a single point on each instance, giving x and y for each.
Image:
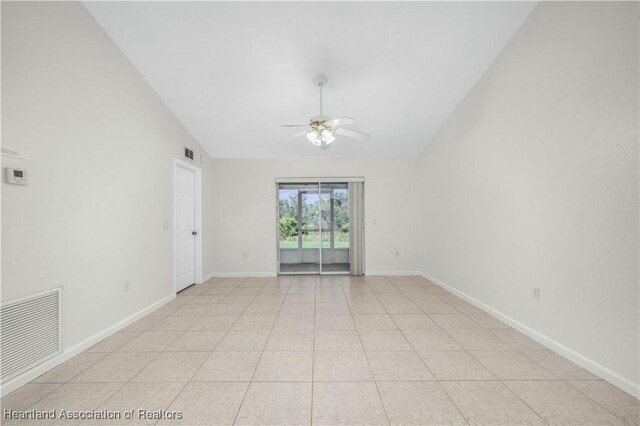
(320, 81)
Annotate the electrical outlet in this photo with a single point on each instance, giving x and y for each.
(374, 221)
(126, 286)
(536, 293)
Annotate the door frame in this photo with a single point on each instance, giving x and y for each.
(277, 235)
(319, 181)
(198, 220)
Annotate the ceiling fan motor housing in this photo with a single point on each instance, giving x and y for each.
(319, 119)
(320, 80)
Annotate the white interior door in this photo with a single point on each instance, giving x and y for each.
(185, 223)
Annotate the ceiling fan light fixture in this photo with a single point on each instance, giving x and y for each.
(313, 137)
(327, 136)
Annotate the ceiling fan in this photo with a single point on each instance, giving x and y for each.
(321, 129)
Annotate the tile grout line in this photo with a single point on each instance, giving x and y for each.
(313, 346)
(34, 381)
(44, 396)
(235, 419)
(108, 398)
(367, 359)
(568, 382)
(420, 358)
(175, 397)
(494, 374)
(438, 381)
(425, 364)
(122, 384)
(214, 348)
(477, 360)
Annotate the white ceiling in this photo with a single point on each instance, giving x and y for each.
(233, 72)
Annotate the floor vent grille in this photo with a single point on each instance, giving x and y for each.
(30, 332)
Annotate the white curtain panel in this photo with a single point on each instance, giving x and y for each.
(356, 227)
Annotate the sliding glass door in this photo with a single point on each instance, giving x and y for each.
(313, 228)
(298, 229)
(334, 227)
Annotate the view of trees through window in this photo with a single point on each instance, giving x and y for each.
(332, 205)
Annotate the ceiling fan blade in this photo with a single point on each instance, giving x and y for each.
(295, 125)
(342, 121)
(352, 133)
(290, 138)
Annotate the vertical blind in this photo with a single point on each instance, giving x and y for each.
(356, 227)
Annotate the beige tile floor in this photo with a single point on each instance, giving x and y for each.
(326, 350)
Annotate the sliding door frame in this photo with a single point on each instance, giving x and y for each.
(314, 180)
(299, 221)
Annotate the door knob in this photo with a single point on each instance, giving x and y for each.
(194, 232)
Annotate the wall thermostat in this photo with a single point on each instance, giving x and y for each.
(15, 176)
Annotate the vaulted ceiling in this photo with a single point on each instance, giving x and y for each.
(233, 72)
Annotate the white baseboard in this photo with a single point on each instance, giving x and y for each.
(69, 353)
(239, 274)
(394, 273)
(273, 274)
(583, 361)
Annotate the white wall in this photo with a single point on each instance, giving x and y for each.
(245, 218)
(533, 182)
(102, 147)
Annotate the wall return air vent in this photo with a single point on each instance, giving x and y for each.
(30, 332)
(188, 153)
